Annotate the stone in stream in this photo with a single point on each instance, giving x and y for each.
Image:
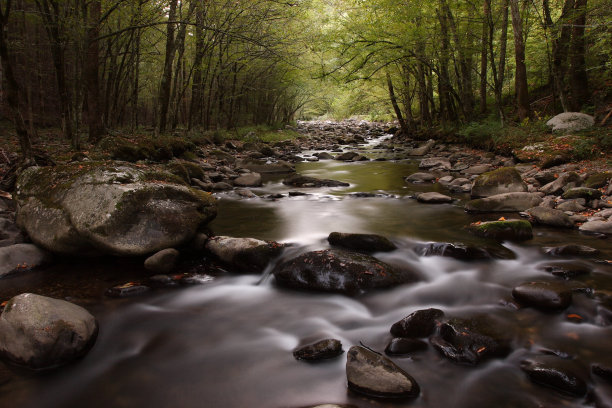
(421, 323)
(500, 181)
(571, 250)
(40, 332)
(263, 167)
(433, 198)
(554, 372)
(512, 230)
(321, 350)
(340, 271)
(162, 261)
(248, 180)
(597, 227)
(602, 371)
(507, 202)
(305, 181)
(566, 270)
(10, 234)
(469, 341)
(571, 205)
(21, 257)
(348, 156)
(464, 252)
(435, 163)
(244, 254)
(361, 242)
(401, 345)
(324, 156)
(550, 217)
(421, 178)
(127, 290)
(547, 296)
(374, 375)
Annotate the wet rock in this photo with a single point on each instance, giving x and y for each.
(469, 341)
(566, 270)
(248, 180)
(433, 198)
(582, 192)
(512, 230)
(374, 375)
(421, 178)
(435, 163)
(598, 227)
(162, 261)
(361, 242)
(339, 271)
(127, 290)
(564, 182)
(321, 350)
(568, 122)
(305, 181)
(550, 217)
(348, 156)
(602, 371)
(571, 250)
(464, 252)
(244, 254)
(554, 372)
(507, 202)
(401, 345)
(547, 296)
(421, 323)
(40, 332)
(500, 181)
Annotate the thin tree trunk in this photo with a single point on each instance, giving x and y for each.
(560, 47)
(396, 108)
(486, 7)
(520, 78)
(578, 79)
(166, 81)
(94, 115)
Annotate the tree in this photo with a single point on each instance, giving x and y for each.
(520, 76)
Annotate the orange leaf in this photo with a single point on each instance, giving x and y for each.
(480, 350)
(501, 219)
(574, 316)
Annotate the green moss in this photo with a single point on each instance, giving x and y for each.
(164, 177)
(503, 230)
(582, 192)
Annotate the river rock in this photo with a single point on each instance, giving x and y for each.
(469, 341)
(433, 198)
(244, 254)
(550, 217)
(547, 296)
(571, 250)
(93, 208)
(421, 178)
(564, 182)
(507, 202)
(324, 156)
(566, 270)
(582, 192)
(321, 350)
(248, 180)
(400, 345)
(162, 261)
(502, 180)
(421, 323)
(305, 181)
(513, 230)
(557, 373)
(375, 375)
(340, 271)
(361, 242)
(348, 156)
(40, 332)
(435, 163)
(568, 122)
(598, 227)
(423, 149)
(464, 252)
(21, 257)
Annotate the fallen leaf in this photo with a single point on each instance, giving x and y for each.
(501, 219)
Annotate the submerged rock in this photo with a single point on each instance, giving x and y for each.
(244, 254)
(512, 230)
(500, 181)
(321, 350)
(305, 181)
(40, 332)
(361, 242)
(507, 202)
(547, 296)
(127, 290)
(554, 372)
(339, 271)
(464, 252)
(375, 375)
(421, 323)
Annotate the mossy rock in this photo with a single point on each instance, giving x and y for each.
(185, 170)
(510, 230)
(598, 180)
(499, 181)
(582, 192)
(221, 155)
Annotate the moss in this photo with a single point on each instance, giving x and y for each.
(503, 230)
(501, 176)
(164, 177)
(582, 192)
(598, 180)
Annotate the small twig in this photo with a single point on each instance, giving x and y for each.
(603, 122)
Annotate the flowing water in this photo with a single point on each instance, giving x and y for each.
(228, 343)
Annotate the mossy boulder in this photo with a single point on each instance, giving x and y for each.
(511, 230)
(582, 192)
(598, 180)
(185, 170)
(97, 208)
(502, 180)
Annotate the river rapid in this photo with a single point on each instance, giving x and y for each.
(228, 342)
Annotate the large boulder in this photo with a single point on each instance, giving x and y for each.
(339, 271)
(507, 202)
(40, 332)
(21, 256)
(568, 122)
(502, 180)
(121, 209)
(244, 254)
(375, 375)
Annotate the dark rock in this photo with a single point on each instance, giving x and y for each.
(40, 332)
(324, 156)
(262, 167)
(555, 373)
(340, 271)
(469, 341)
(421, 323)
(374, 375)
(544, 177)
(571, 205)
(244, 254)
(321, 350)
(20, 257)
(222, 186)
(361, 242)
(401, 345)
(10, 234)
(566, 270)
(598, 180)
(571, 250)
(602, 371)
(547, 296)
(127, 290)
(478, 169)
(305, 181)
(582, 192)
(433, 198)
(162, 261)
(500, 181)
(507, 202)
(555, 160)
(464, 252)
(550, 217)
(512, 230)
(563, 182)
(348, 156)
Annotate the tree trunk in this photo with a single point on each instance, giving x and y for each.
(520, 78)
(94, 114)
(560, 46)
(166, 81)
(486, 7)
(396, 108)
(579, 83)
(446, 103)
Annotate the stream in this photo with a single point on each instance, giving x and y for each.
(228, 342)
